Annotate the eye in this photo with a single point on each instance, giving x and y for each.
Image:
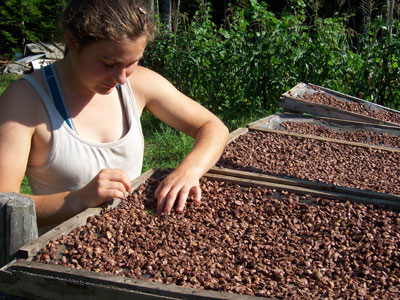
(109, 65)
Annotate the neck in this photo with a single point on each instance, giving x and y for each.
(72, 86)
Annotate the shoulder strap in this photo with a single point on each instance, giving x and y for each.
(56, 95)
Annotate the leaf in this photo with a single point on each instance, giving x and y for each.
(225, 34)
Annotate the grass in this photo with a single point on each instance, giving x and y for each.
(25, 187)
(6, 80)
(165, 147)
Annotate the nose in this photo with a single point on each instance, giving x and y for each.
(120, 75)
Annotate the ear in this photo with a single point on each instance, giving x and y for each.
(70, 41)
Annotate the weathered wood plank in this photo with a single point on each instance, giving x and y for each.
(304, 190)
(289, 101)
(18, 224)
(355, 99)
(304, 183)
(325, 139)
(30, 279)
(296, 105)
(236, 133)
(302, 88)
(21, 223)
(142, 178)
(64, 228)
(4, 197)
(274, 122)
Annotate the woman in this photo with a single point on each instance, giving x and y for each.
(74, 127)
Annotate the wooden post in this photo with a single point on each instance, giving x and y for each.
(3, 202)
(17, 224)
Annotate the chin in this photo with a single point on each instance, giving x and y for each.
(104, 90)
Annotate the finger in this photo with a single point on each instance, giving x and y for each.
(116, 175)
(166, 198)
(171, 198)
(196, 192)
(161, 195)
(160, 199)
(117, 194)
(123, 178)
(183, 194)
(106, 195)
(158, 189)
(126, 181)
(117, 185)
(112, 190)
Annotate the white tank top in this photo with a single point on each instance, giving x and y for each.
(74, 161)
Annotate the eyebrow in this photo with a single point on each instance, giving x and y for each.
(117, 60)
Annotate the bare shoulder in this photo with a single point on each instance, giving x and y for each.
(167, 103)
(20, 103)
(149, 85)
(142, 74)
(20, 114)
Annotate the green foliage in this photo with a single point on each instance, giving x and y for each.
(28, 21)
(379, 77)
(25, 187)
(242, 68)
(6, 80)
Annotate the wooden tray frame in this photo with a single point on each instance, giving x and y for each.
(307, 184)
(293, 104)
(328, 123)
(30, 279)
(24, 277)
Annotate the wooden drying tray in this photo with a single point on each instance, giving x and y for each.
(273, 122)
(24, 277)
(241, 131)
(290, 102)
(368, 196)
(27, 278)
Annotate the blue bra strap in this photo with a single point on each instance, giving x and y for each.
(55, 93)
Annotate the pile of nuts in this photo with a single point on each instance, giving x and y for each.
(320, 97)
(319, 161)
(358, 136)
(243, 240)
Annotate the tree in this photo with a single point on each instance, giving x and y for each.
(389, 15)
(165, 13)
(28, 21)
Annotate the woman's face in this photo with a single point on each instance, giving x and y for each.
(101, 65)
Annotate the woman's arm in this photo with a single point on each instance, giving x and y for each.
(25, 139)
(162, 99)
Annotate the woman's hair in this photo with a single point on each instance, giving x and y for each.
(91, 20)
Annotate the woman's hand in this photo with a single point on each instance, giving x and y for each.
(174, 108)
(106, 185)
(176, 188)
